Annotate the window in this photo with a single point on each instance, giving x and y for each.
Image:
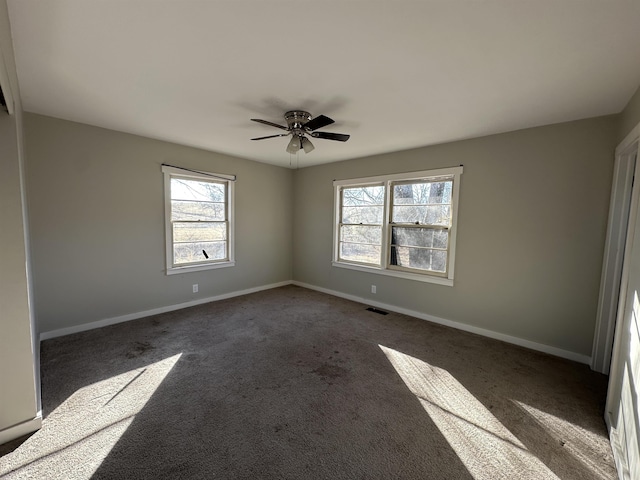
(361, 224)
(400, 225)
(199, 220)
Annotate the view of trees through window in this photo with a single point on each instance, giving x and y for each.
(199, 220)
(361, 229)
(420, 221)
(418, 226)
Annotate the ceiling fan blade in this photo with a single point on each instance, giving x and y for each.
(340, 137)
(318, 122)
(271, 136)
(306, 144)
(269, 123)
(294, 144)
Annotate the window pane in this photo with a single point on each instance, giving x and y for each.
(357, 252)
(363, 196)
(362, 215)
(430, 215)
(423, 193)
(186, 210)
(193, 252)
(361, 234)
(197, 190)
(199, 232)
(419, 258)
(419, 237)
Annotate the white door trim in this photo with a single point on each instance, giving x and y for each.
(628, 144)
(621, 193)
(629, 147)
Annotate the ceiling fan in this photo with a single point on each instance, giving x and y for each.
(299, 125)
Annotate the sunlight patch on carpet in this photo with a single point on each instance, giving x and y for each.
(100, 414)
(575, 439)
(486, 447)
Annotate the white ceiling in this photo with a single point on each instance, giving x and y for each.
(393, 74)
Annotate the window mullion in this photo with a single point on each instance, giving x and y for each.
(386, 227)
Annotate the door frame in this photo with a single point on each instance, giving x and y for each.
(612, 267)
(629, 149)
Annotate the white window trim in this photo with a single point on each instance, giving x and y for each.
(447, 280)
(178, 172)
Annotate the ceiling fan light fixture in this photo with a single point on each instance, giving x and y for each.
(306, 144)
(294, 144)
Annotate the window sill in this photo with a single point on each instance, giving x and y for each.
(198, 268)
(393, 273)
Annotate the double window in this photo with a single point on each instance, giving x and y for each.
(401, 225)
(199, 220)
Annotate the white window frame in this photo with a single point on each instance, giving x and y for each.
(173, 172)
(384, 268)
(339, 223)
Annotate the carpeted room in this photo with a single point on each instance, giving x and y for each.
(293, 383)
(286, 402)
(265, 371)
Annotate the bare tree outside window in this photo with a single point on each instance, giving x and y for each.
(421, 217)
(361, 224)
(199, 220)
(400, 224)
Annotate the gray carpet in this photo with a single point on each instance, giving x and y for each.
(294, 384)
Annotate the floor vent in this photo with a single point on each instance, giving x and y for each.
(377, 310)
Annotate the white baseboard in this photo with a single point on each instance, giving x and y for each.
(155, 311)
(413, 313)
(17, 431)
(558, 352)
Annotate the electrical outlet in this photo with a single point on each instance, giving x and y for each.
(373, 289)
(195, 288)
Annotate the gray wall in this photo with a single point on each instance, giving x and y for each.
(97, 223)
(629, 117)
(531, 230)
(18, 394)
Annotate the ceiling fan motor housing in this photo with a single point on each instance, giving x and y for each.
(296, 119)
